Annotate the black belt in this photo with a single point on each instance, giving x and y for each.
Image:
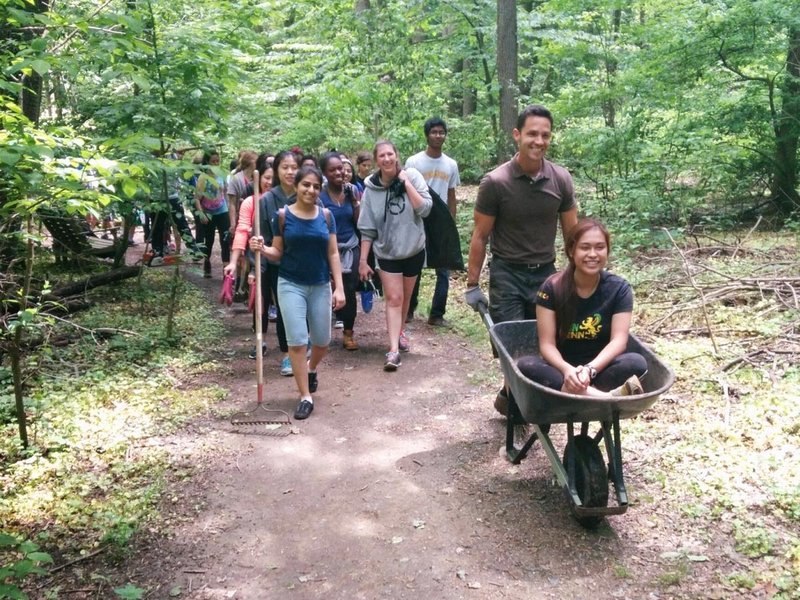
(525, 266)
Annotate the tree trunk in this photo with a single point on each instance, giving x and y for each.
(787, 132)
(610, 102)
(507, 75)
(469, 94)
(31, 101)
(93, 282)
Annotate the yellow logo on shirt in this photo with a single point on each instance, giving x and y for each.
(588, 329)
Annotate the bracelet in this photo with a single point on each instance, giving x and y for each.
(592, 372)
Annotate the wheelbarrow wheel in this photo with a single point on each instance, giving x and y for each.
(591, 477)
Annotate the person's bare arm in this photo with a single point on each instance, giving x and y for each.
(334, 262)
(620, 328)
(484, 224)
(575, 382)
(451, 201)
(568, 220)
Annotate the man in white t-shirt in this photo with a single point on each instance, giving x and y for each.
(441, 174)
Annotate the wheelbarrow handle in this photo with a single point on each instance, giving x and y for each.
(483, 309)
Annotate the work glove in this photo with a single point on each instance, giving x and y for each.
(474, 296)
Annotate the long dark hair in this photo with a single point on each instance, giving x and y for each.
(565, 297)
(279, 158)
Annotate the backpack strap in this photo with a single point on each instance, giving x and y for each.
(281, 220)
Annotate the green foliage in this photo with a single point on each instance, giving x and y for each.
(753, 541)
(19, 559)
(741, 580)
(129, 592)
(93, 404)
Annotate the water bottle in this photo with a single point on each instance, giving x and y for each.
(366, 290)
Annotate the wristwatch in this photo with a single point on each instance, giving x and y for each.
(592, 372)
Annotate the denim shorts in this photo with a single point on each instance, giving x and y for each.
(512, 289)
(306, 311)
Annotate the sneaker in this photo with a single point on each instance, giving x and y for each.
(338, 325)
(437, 322)
(393, 361)
(304, 409)
(252, 354)
(272, 313)
(631, 387)
(501, 402)
(286, 367)
(403, 342)
(156, 261)
(313, 382)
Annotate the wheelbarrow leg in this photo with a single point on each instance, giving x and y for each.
(571, 487)
(514, 454)
(614, 452)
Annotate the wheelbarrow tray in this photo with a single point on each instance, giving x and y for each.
(540, 404)
(582, 473)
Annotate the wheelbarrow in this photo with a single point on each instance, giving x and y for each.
(583, 473)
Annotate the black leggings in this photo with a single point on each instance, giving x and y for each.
(161, 224)
(206, 231)
(350, 281)
(614, 375)
(269, 286)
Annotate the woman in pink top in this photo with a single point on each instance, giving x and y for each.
(282, 193)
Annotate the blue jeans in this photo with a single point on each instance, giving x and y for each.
(306, 312)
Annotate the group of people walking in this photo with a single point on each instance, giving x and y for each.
(326, 226)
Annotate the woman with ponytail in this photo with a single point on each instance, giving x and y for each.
(583, 317)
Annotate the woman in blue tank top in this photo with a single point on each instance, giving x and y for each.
(305, 244)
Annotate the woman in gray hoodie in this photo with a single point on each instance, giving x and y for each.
(394, 203)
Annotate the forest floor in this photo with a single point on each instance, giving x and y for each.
(398, 486)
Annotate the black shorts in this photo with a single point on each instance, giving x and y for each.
(409, 267)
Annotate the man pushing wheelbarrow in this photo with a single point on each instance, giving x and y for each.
(577, 361)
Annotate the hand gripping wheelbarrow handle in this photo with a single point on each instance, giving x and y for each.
(483, 309)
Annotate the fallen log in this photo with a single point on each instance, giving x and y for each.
(92, 282)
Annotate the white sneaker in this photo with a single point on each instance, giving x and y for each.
(338, 325)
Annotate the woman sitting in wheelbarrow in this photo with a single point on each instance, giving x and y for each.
(583, 316)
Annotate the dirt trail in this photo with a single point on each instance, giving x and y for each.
(394, 488)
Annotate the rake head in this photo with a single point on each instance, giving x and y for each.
(277, 421)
